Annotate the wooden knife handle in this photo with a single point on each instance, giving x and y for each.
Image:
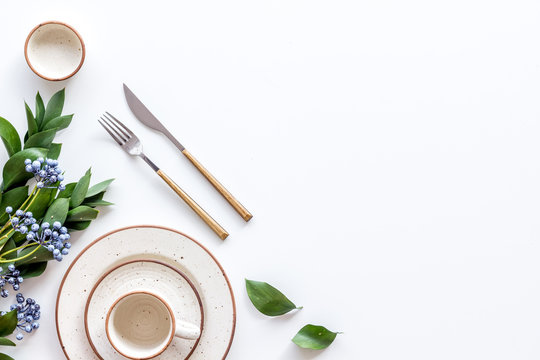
(240, 209)
(213, 224)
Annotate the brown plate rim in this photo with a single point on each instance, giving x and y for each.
(155, 227)
(108, 272)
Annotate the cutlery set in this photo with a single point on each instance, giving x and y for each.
(131, 144)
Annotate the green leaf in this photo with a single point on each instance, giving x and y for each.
(58, 123)
(14, 172)
(82, 213)
(79, 225)
(10, 244)
(42, 139)
(98, 203)
(40, 255)
(14, 198)
(67, 191)
(54, 151)
(6, 342)
(96, 200)
(10, 137)
(5, 357)
(314, 337)
(40, 203)
(8, 323)
(54, 107)
(32, 270)
(100, 187)
(58, 211)
(40, 109)
(31, 121)
(267, 299)
(79, 193)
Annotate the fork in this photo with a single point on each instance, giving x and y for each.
(131, 144)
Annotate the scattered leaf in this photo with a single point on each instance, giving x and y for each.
(314, 337)
(267, 299)
(5, 357)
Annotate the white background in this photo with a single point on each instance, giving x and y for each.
(389, 150)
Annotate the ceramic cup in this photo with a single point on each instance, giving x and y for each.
(54, 51)
(141, 325)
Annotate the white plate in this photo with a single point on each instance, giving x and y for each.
(147, 242)
(143, 275)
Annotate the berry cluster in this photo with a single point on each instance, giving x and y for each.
(46, 172)
(55, 238)
(12, 277)
(28, 314)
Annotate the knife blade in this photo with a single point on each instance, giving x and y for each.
(144, 115)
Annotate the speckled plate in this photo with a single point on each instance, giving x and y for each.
(149, 243)
(143, 275)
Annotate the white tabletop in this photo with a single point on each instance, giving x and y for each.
(389, 151)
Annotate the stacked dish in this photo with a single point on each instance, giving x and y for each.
(166, 264)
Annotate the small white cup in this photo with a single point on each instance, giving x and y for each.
(54, 50)
(141, 325)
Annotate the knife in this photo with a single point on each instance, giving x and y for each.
(144, 115)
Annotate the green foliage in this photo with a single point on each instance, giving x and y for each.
(10, 137)
(80, 190)
(74, 207)
(8, 323)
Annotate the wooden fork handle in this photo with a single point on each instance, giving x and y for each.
(240, 209)
(213, 224)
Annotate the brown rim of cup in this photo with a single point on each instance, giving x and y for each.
(173, 319)
(83, 48)
(90, 295)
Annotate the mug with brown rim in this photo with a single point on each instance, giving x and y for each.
(141, 325)
(54, 50)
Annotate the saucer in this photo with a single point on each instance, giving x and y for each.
(149, 276)
(147, 243)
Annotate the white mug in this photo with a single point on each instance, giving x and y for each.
(141, 325)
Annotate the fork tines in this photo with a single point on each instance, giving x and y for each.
(119, 132)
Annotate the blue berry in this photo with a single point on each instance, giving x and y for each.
(9, 209)
(19, 336)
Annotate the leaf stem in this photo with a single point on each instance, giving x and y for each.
(3, 261)
(18, 248)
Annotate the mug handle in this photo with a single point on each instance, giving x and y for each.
(186, 330)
